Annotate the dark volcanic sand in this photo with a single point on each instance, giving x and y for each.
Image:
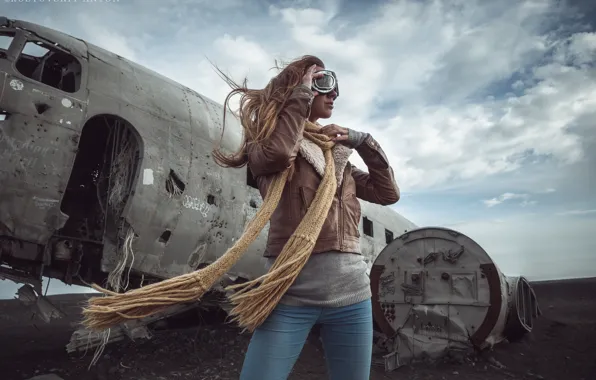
(561, 347)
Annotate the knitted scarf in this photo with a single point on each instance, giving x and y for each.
(254, 300)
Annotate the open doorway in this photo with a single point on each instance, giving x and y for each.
(102, 178)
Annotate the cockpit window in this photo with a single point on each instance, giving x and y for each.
(35, 49)
(5, 41)
(50, 65)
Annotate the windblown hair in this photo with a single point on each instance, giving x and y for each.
(259, 109)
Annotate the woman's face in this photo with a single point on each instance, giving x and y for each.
(322, 105)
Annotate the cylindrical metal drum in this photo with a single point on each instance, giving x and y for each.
(436, 289)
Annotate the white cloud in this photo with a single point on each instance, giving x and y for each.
(527, 203)
(504, 197)
(410, 57)
(110, 40)
(577, 212)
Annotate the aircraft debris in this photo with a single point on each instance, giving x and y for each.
(42, 308)
(436, 291)
(84, 339)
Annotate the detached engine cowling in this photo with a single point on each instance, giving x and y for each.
(436, 290)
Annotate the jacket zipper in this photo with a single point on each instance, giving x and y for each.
(341, 212)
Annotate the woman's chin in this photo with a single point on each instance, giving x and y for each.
(327, 114)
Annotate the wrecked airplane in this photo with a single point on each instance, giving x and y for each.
(107, 177)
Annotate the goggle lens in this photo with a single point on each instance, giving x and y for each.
(326, 83)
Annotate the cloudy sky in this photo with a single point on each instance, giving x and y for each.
(487, 109)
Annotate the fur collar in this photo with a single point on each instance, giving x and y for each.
(313, 154)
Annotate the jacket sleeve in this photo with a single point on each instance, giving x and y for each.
(378, 185)
(279, 150)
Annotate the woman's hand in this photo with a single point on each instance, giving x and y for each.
(336, 133)
(309, 76)
(345, 136)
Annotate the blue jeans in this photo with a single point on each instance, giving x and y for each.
(346, 332)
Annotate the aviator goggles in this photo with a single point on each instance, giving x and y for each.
(326, 83)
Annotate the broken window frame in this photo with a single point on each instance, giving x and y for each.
(389, 236)
(368, 227)
(20, 40)
(13, 36)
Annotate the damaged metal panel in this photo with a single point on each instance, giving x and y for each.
(213, 200)
(220, 204)
(41, 307)
(201, 199)
(165, 172)
(39, 136)
(431, 331)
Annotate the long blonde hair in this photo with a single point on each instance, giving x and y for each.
(260, 108)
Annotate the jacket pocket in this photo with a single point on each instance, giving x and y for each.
(330, 226)
(352, 213)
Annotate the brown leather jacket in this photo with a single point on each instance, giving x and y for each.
(340, 231)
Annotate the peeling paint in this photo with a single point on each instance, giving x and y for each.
(214, 175)
(148, 177)
(18, 145)
(198, 255)
(195, 204)
(17, 85)
(38, 91)
(44, 203)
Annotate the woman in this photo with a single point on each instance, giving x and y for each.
(333, 288)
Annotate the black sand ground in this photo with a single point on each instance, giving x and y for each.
(561, 347)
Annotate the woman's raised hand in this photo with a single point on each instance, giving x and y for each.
(309, 76)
